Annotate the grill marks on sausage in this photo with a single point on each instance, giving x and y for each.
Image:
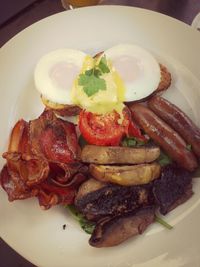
(178, 120)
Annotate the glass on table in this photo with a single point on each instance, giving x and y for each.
(79, 3)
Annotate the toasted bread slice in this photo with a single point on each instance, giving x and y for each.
(165, 80)
(60, 109)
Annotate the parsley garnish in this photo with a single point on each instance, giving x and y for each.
(163, 223)
(91, 80)
(103, 65)
(86, 225)
(164, 159)
(89, 72)
(132, 142)
(91, 84)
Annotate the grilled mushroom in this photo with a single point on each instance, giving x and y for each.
(113, 231)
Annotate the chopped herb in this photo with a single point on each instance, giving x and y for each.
(164, 159)
(129, 142)
(163, 223)
(132, 142)
(97, 72)
(103, 66)
(189, 147)
(91, 84)
(86, 225)
(90, 79)
(89, 72)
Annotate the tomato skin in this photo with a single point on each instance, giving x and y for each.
(105, 130)
(101, 129)
(134, 131)
(131, 128)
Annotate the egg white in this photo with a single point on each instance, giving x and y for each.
(55, 73)
(138, 69)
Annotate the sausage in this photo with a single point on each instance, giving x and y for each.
(169, 140)
(178, 120)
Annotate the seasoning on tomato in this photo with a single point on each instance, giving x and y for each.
(101, 129)
(105, 129)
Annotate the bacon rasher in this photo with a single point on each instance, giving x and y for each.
(42, 161)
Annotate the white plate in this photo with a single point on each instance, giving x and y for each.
(38, 235)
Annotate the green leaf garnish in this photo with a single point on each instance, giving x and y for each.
(91, 79)
(86, 225)
(132, 142)
(97, 72)
(129, 142)
(91, 84)
(163, 223)
(164, 159)
(103, 66)
(89, 72)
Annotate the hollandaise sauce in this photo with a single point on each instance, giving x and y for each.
(98, 88)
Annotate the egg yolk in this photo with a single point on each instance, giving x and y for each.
(102, 101)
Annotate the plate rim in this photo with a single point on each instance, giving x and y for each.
(95, 7)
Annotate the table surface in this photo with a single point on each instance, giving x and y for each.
(184, 10)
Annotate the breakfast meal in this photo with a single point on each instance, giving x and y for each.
(108, 147)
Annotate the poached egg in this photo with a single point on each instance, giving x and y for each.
(138, 69)
(133, 75)
(55, 74)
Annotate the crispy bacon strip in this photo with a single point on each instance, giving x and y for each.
(15, 186)
(50, 194)
(42, 161)
(31, 169)
(53, 138)
(67, 174)
(19, 137)
(61, 184)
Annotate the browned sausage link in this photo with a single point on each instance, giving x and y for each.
(178, 120)
(169, 140)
